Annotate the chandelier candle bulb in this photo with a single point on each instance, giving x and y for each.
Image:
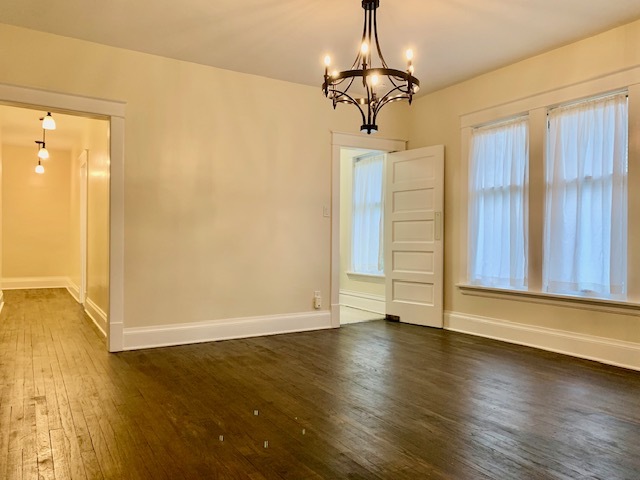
(378, 84)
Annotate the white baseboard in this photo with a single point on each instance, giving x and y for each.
(363, 301)
(604, 350)
(182, 334)
(21, 283)
(96, 314)
(73, 289)
(116, 336)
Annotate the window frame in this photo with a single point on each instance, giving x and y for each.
(536, 108)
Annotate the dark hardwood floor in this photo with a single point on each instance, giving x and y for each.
(369, 401)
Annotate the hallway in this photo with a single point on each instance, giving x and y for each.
(374, 400)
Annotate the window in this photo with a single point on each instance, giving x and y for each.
(585, 227)
(549, 203)
(366, 237)
(497, 204)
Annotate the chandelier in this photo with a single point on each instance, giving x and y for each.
(365, 85)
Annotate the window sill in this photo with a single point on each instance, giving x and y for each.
(365, 275)
(574, 301)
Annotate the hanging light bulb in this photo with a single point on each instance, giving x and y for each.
(48, 123)
(43, 152)
(39, 168)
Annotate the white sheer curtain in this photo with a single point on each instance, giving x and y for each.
(367, 228)
(499, 156)
(585, 233)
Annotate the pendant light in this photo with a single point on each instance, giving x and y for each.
(366, 85)
(48, 123)
(42, 152)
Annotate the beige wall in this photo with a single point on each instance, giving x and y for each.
(35, 213)
(226, 175)
(95, 141)
(352, 283)
(97, 144)
(1, 242)
(436, 120)
(74, 264)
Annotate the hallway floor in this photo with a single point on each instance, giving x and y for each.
(373, 400)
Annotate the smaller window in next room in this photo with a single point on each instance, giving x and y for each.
(367, 253)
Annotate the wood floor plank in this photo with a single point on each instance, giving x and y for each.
(60, 453)
(43, 440)
(371, 401)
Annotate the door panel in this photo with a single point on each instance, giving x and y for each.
(413, 235)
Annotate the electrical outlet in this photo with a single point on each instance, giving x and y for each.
(326, 211)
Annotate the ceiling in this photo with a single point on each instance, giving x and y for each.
(287, 39)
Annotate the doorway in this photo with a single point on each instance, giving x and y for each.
(362, 289)
(413, 243)
(369, 301)
(114, 113)
(55, 223)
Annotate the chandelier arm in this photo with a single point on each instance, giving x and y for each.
(387, 98)
(375, 32)
(369, 101)
(354, 102)
(350, 83)
(356, 62)
(392, 82)
(333, 85)
(370, 15)
(342, 80)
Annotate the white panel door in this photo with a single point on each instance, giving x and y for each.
(413, 229)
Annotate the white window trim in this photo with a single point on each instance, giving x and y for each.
(575, 301)
(536, 107)
(364, 275)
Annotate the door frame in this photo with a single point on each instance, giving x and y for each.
(339, 141)
(114, 112)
